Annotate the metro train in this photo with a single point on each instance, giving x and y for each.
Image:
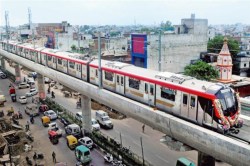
(212, 105)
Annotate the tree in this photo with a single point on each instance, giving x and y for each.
(167, 26)
(216, 44)
(73, 47)
(202, 71)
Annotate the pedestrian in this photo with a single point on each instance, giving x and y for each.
(32, 100)
(143, 127)
(54, 157)
(27, 126)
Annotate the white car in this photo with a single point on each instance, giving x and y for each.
(79, 116)
(22, 99)
(47, 80)
(51, 114)
(23, 85)
(86, 141)
(32, 92)
(53, 126)
(95, 125)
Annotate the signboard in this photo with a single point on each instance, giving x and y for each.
(139, 50)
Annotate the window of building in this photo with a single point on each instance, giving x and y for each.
(168, 93)
(185, 99)
(109, 76)
(134, 83)
(72, 65)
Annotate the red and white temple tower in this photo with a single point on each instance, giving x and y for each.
(224, 63)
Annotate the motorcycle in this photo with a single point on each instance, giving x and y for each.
(108, 158)
(38, 156)
(20, 115)
(29, 136)
(32, 120)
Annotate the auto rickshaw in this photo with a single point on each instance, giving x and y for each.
(53, 137)
(45, 121)
(43, 108)
(71, 142)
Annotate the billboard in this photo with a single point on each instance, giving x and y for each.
(139, 50)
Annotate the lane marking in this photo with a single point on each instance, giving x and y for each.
(162, 159)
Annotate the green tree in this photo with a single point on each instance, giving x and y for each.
(167, 26)
(73, 47)
(202, 71)
(216, 44)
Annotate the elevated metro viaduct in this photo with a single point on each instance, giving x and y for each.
(218, 146)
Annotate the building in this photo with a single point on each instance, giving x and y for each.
(180, 49)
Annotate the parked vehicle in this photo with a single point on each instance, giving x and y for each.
(86, 141)
(2, 98)
(22, 99)
(45, 121)
(73, 129)
(51, 114)
(82, 154)
(23, 85)
(103, 119)
(64, 121)
(182, 161)
(53, 136)
(95, 125)
(30, 81)
(43, 108)
(3, 75)
(47, 80)
(71, 141)
(32, 92)
(79, 116)
(54, 127)
(31, 109)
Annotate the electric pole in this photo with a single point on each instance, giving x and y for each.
(159, 60)
(99, 60)
(78, 36)
(7, 28)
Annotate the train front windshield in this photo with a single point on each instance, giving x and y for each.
(228, 101)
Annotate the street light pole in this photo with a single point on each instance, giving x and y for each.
(143, 162)
(159, 60)
(99, 60)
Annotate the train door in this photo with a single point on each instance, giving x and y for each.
(120, 84)
(78, 70)
(184, 104)
(54, 60)
(192, 110)
(149, 93)
(65, 66)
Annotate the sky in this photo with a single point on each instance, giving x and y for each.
(124, 12)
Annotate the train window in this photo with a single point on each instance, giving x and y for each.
(185, 99)
(96, 73)
(146, 88)
(117, 79)
(133, 83)
(59, 61)
(49, 58)
(78, 67)
(122, 81)
(168, 94)
(192, 101)
(109, 76)
(54, 59)
(72, 65)
(152, 89)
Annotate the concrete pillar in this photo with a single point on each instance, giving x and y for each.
(204, 159)
(41, 88)
(18, 73)
(2, 63)
(86, 113)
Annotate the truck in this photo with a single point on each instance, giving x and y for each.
(103, 119)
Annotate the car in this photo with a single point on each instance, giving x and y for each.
(95, 125)
(32, 92)
(22, 99)
(23, 85)
(30, 81)
(3, 75)
(54, 127)
(86, 141)
(79, 116)
(64, 121)
(51, 114)
(47, 80)
(31, 74)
